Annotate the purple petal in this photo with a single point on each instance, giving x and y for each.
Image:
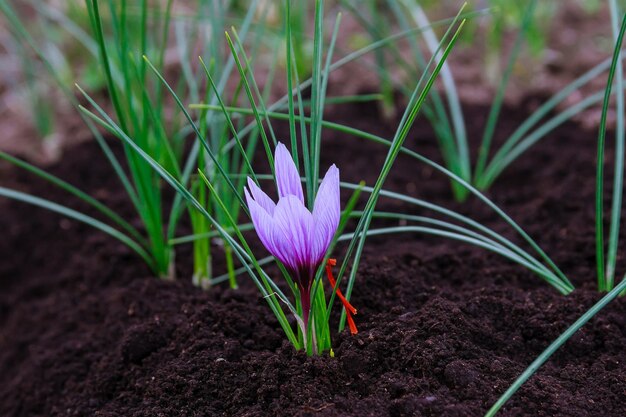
(287, 177)
(293, 233)
(326, 212)
(261, 198)
(263, 223)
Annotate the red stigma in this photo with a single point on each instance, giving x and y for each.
(350, 310)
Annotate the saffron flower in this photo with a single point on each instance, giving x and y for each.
(296, 236)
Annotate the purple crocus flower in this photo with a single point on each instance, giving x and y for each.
(294, 235)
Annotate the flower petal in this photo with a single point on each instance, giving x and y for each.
(263, 223)
(293, 235)
(261, 198)
(287, 177)
(326, 213)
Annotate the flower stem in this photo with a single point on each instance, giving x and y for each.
(230, 266)
(305, 301)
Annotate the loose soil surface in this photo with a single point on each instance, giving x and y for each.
(444, 328)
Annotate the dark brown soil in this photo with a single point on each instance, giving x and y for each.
(444, 327)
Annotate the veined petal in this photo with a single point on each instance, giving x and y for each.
(287, 177)
(326, 212)
(263, 223)
(261, 198)
(293, 233)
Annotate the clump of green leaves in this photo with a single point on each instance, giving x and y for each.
(121, 35)
(444, 111)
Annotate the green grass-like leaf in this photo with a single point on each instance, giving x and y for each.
(604, 283)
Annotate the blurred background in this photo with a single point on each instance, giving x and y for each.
(562, 40)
